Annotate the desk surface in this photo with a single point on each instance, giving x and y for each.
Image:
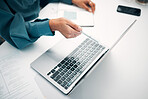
(121, 75)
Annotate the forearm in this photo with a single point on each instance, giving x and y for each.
(20, 33)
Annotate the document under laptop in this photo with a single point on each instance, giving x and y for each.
(69, 61)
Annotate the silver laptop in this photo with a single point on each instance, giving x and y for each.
(69, 61)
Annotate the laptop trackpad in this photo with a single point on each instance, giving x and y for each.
(54, 55)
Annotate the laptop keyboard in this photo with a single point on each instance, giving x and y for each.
(72, 66)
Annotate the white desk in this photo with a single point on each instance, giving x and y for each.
(123, 74)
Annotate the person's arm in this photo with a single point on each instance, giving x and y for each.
(19, 33)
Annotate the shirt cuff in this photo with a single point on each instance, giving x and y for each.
(39, 27)
(44, 28)
(67, 1)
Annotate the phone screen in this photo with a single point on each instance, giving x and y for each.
(129, 10)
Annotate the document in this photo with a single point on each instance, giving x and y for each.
(15, 79)
(70, 12)
(76, 14)
(49, 11)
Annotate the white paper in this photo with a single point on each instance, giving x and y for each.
(15, 79)
(75, 14)
(49, 11)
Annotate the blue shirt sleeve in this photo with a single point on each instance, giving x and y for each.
(44, 2)
(19, 33)
(25, 33)
(14, 25)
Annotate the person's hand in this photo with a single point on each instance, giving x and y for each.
(85, 4)
(66, 27)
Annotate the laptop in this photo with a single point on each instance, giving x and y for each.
(70, 60)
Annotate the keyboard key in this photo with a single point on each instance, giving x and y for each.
(72, 69)
(66, 75)
(77, 70)
(64, 83)
(71, 76)
(62, 73)
(52, 70)
(78, 63)
(75, 66)
(103, 48)
(55, 67)
(96, 45)
(49, 73)
(66, 58)
(65, 70)
(59, 65)
(72, 58)
(71, 64)
(55, 74)
(80, 67)
(76, 59)
(68, 79)
(92, 43)
(68, 84)
(83, 64)
(63, 66)
(66, 63)
(66, 87)
(74, 62)
(59, 82)
(74, 73)
(68, 67)
(57, 78)
(63, 78)
(100, 46)
(69, 72)
(69, 61)
(60, 69)
(63, 61)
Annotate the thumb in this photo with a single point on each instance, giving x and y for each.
(74, 26)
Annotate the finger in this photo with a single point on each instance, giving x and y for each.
(86, 7)
(77, 34)
(92, 5)
(74, 26)
(72, 33)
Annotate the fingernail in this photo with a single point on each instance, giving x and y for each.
(79, 28)
(90, 10)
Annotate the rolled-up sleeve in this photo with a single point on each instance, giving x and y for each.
(45, 2)
(66, 1)
(39, 27)
(13, 27)
(19, 33)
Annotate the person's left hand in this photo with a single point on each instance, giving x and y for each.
(85, 4)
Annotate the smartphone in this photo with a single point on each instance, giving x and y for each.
(129, 10)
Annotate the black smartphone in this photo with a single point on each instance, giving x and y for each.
(129, 10)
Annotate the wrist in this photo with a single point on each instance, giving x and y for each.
(73, 1)
(52, 25)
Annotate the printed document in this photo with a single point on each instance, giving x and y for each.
(15, 81)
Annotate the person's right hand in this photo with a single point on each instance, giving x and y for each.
(66, 27)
